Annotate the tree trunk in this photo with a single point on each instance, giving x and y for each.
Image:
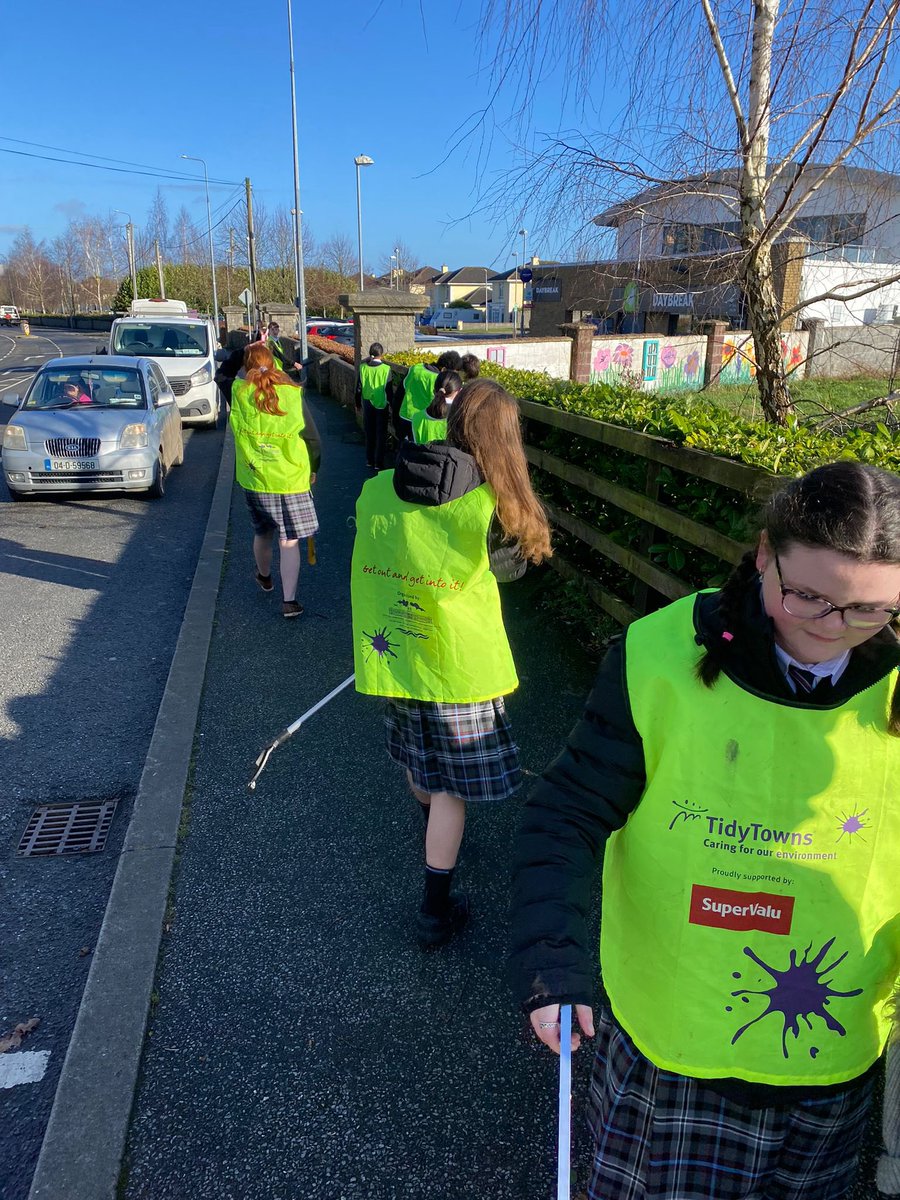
(762, 307)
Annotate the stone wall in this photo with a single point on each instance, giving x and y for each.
(842, 351)
(331, 376)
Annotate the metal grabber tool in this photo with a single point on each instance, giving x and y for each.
(564, 1154)
(287, 734)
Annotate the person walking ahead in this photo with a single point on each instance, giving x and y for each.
(430, 424)
(433, 537)
(371, 395)
(742, 749)
(277, 455)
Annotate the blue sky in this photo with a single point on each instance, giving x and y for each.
(146, 82)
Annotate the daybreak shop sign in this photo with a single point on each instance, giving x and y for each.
(666, 301)
(546, 291)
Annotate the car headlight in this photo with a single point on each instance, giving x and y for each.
(134, 437)
(204, 375)
(14, 438)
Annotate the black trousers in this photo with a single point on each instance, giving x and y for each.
(375, 425)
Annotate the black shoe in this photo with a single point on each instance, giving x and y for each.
(291, 608)
(265, 582)
(433, 931)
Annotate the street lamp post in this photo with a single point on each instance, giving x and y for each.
(523, 234)
(361, 160)
(393, 260)
(212, 260)
(299, 275)
(129, 242)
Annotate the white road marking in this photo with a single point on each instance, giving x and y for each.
(23, 1066)
(55, 566)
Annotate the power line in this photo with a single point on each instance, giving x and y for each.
(154, 174)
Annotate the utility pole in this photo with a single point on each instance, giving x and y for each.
(159, 271)
(299, 277)
(230, 259)
(251, 246)
(129, 233)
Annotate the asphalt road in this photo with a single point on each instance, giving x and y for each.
(92, 592)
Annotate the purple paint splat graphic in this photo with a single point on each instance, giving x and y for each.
(379, 643)
(853, 824)
(799, 992)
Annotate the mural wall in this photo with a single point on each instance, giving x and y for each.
(654, 364)
(678, 364)
(739, 361)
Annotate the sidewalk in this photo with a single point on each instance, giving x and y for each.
(301, 1046)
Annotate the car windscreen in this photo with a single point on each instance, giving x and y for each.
(157, 339)
(87, 388)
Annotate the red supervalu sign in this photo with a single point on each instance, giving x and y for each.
(722, 908)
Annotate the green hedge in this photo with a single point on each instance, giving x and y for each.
(687, 420)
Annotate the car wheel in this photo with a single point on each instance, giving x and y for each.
(158, 487)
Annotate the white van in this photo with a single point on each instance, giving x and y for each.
(183, 346)
(455, 318)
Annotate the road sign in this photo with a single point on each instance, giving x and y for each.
(526, 274)
(246, 297)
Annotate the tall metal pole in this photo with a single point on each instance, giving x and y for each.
(523, 233)
(251, 246)
(361, 160)
(129, 229)
(359, 226)
(159, 272)
(298, 215)
(212, 259)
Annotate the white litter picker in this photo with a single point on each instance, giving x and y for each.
(564, 1148)
(287, 734)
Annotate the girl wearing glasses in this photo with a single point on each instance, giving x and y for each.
(738, 760)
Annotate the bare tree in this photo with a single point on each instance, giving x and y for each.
(30, 272)
(401, 261)
(770, 105)
(188, 242)
(338, 255)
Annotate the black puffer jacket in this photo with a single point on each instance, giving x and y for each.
(598, 780)
(436, 473)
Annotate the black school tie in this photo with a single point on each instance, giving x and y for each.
(804, 680)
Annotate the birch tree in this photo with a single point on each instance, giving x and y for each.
(760, 102)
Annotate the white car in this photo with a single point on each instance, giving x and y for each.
(184, 348)
(93, 424)
(9, 314)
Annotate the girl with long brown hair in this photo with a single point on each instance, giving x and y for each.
(433, 538)
(277, 455)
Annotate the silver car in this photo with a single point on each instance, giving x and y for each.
(92, 424)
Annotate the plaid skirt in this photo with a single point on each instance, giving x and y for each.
(465, 749)
(662, 1135)
(293, 516)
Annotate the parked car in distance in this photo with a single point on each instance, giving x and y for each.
(92, 424)
(329, 329)
(9, 314)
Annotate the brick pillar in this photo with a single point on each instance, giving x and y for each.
(235, 316)
(815, 327)
(582, 336)
(715, 339)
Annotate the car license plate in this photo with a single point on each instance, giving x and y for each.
(70, 464)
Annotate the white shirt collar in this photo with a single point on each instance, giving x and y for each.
(832, 668)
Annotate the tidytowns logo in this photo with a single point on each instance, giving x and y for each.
(754, 837)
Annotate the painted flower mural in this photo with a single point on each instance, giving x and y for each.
(692, 364)
(668, 356)
(623, 355)
(602, 358)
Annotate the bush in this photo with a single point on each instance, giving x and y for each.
(331, 347)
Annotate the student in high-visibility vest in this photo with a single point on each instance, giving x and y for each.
(372, 382)
(739, 761)
(277, 455)
(273, 344)
(430, 424)
(418, 390)
(433, 537)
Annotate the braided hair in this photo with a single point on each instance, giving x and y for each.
(847, 507)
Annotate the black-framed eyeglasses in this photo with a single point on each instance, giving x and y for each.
(855, 616)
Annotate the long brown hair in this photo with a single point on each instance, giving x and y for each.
(484, 421)
(263, 377)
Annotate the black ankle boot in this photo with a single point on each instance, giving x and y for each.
(436, 929)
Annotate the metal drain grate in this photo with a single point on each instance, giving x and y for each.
(79, 828)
